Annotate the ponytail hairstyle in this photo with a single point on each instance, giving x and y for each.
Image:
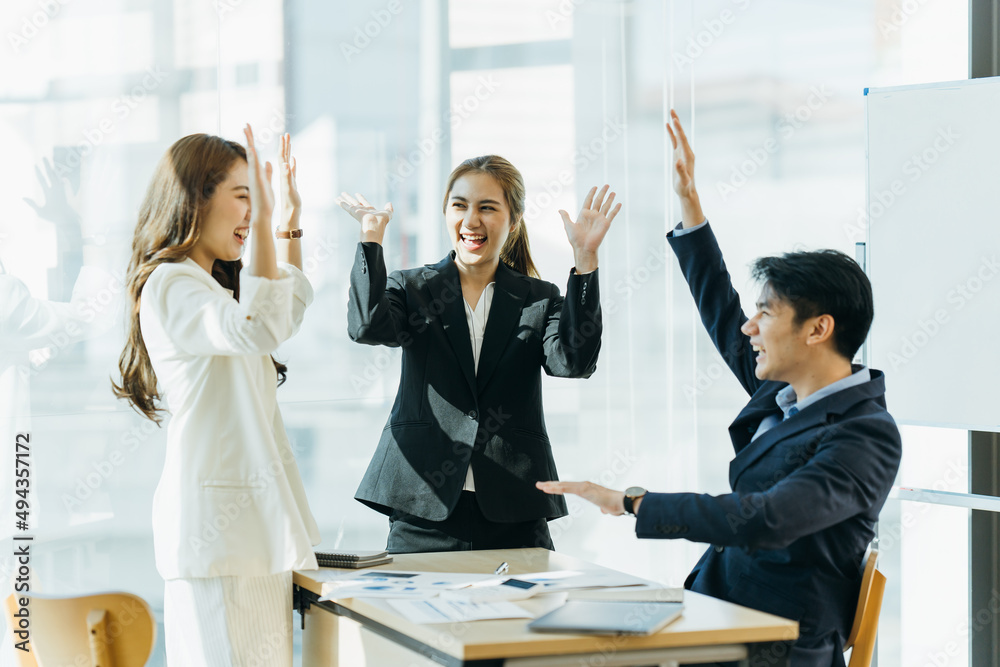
(516, 253)
(168, 228)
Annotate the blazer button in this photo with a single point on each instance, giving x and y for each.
(720, 549)
(473, 414)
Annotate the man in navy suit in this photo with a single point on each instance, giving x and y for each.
(816, 451)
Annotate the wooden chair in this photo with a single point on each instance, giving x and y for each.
(105, 630)
(865, 627)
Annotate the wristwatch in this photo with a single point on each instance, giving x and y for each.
(632, 494)
(289, 234)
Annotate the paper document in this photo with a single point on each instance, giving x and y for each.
(385, 583)
(438, 610)
(566, 580)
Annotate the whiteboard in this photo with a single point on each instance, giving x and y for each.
(933, 234)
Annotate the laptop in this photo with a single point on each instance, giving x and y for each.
(594, 617)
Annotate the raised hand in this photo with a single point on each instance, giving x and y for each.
(56, 206)
(290, 199)
(373, 221)
(683, 168)
(261, 194)
(609, 500)
(586, 234)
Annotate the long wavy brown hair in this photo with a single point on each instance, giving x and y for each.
(515, 253)
(169, 225)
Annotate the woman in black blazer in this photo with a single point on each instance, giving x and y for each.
(465, 442)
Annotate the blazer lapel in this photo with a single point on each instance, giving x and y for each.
(780, 431)
(812, 416)
(509, 293)
(748, 421)
(446, 289)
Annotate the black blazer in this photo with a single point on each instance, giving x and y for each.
(446, 416)
(790, 538)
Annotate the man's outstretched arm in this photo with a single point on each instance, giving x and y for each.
(705, 270)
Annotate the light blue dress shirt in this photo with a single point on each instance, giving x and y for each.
(790, 406)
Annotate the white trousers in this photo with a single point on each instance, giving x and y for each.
(229, 621)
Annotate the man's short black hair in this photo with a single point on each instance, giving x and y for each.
(824, 282)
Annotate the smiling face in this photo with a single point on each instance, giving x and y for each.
(478, 219)
(226, 223)
(783, 353)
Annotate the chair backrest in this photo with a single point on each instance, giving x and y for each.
(865, 626)
(101, 630)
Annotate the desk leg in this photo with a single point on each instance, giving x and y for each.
(329, 640)
(320, 638)
(768, 654)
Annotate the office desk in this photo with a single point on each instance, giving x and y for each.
(710, 630)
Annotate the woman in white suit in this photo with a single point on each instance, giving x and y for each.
(230, 517)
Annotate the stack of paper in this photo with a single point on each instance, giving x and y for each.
(417, 595)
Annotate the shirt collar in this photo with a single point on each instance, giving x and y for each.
(790, 404)
(485, 300)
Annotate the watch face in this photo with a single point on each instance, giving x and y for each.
(635, 491)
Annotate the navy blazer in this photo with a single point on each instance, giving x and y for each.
(447, 416)
(790, 538)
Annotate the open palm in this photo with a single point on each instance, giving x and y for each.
(290, 197)
(586, 234)
(259, 181)
(371, 218)
(683, 158)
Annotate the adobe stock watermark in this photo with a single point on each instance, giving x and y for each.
(493, 421)
(239, 499)
(636, 278)
(427, 146)
(374, 368)
(705, 378)
(620, 465)
(900, 15)
(758, 156)
(92, 313)
(121, 108)
(890, 535)
(562, 13)
(416, 323)
(325, 248)
(33, 23)
(957, 297)
(586, 154)
(269, 649)
(366, 34)
(712, 29)
(913, 168)
(127, 614)
(273, 127)
(981, 620)
(88, 484)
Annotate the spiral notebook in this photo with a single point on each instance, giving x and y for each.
(352, 559)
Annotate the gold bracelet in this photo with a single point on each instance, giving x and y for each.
(291, 234)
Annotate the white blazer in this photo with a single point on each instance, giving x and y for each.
(230, 500)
